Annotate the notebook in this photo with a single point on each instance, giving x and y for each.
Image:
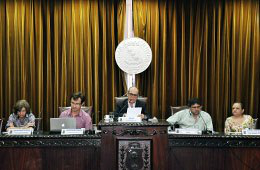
(56, 124)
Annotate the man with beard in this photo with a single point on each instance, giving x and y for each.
(193, 117)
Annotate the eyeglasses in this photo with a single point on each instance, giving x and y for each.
(132, 94)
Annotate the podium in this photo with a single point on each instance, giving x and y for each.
(134, 145)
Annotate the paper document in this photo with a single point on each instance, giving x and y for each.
(133, 112)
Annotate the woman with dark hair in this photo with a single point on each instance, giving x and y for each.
(21, 117)
(239, 120)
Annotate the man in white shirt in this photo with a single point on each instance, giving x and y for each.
(193, 117)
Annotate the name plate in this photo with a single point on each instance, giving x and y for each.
(20, 131)
(233, 133)
(72, 131)
(186, 131)
(255, 132)
(129, 119)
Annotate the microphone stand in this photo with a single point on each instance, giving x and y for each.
(205, 131)
(121, 110)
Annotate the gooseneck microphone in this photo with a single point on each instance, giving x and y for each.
(122, 109)
(205, 131)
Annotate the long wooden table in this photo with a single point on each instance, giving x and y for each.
(121, 146)
(214, 152)
(47, 152)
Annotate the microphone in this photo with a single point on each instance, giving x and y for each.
(122, 109)
(205, 131)
(125, 94)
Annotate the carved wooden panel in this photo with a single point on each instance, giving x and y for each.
(134, 155)
(117, 155)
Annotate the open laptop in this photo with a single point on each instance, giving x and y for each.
(56, 124)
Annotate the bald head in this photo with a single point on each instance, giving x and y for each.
(133, 90)
(132, 94)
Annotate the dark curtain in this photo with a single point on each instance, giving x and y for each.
(50, 49)
(205, 49)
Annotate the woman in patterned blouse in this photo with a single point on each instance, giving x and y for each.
(22, 116)
(238, 121)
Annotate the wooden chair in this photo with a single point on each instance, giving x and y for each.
(38, 124)
(255, 124)
(1, 125)
(258, 124)
(176, 109)
(121, 99)
(87, 109)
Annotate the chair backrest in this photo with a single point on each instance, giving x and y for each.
(258, 124)
(1, 125)
(176, 109)
(38, 124)
(255, 121)
(121, 99)
(87, 109)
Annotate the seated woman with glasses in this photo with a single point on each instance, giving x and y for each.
(238, 121)
(21, 117)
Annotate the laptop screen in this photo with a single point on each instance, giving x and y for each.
(56, 124)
